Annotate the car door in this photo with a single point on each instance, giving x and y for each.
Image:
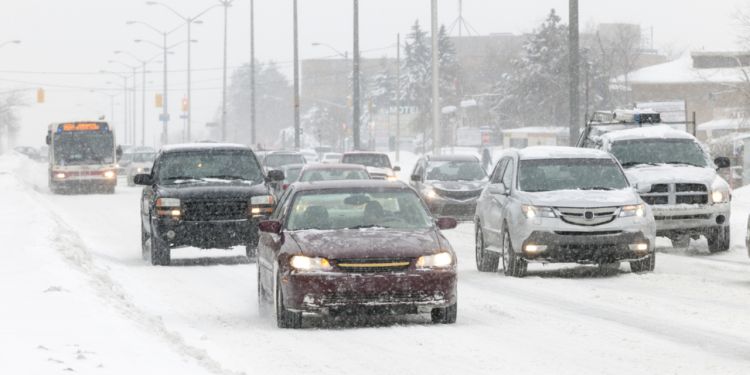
(489, 205)
(269, 244)
(147, 197)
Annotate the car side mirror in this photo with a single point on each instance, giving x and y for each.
(118, 152)
(722, 162)
(416, 178)
(270, 226)
(276, 175)
(497, 189)
(642, 188)
(397, 169)
(143, 179)
(48, 139)
(446, 223)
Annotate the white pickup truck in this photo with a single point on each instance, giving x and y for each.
(674, 174)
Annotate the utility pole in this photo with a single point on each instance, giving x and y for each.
(252, 73)
(355, 80)
(296, 83)
(398, 97)
(165, 112)
(573, 72)
(435, 82)
(143, 104)
(135, 114)
(226, 4)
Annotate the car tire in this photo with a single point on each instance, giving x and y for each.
(487, 261)
(718, 239)
(445, 315)
(160, 251)
(284, 317)
(681, 242)
(513, 265)
(144, 243)
(644, 265)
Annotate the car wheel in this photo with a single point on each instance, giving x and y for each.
(644, 265)
(144, 243)
(284, 317)
(486, 261)
(513, 265)
(718, 239)
(445, 315)
(160, 251)
(681, 241)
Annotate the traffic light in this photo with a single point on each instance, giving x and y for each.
(158, 101)
(185, 105)
(40, 95)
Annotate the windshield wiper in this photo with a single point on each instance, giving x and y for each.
(634, 163)
(189, 178)
(366, 226)
(227, 177)
(597, 188)
(683, 163)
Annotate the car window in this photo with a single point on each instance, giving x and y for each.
(204, 165)
(455, 171)
(508, 175)
(498, 173)
(370, 160)
(570, 174)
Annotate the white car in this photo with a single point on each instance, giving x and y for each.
(331, 157)
(378, 164)
(679, 181)
(561, 204)
(140, 162)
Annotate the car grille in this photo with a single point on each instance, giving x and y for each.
(588, 234)
(365, 265)
(210, 210)
(681, 193)
(683, 217)
(587, 216)
(458, 194)
(378, 176)
(379, 298)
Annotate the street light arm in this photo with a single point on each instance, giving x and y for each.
(195, 18)
(176, 13)
(316, 44)
(160, 32)
(157, 45)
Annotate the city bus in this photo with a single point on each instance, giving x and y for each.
(82, 157)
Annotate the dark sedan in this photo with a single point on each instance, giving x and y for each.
(450, 184)
(203, 195)
(342, 246)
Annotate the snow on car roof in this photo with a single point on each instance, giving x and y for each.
(726, 123)
(560, 152)
(646, 132)
(203, 146)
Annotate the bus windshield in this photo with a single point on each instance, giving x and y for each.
(82, 148)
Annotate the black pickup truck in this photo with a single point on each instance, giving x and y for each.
(205, 195)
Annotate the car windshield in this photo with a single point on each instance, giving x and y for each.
(80, 148)
(659, 151)
(275, 161)
(570, 174)
(455, 171)
(357, 209)
(369, 160)
(333, 174)
(177, 167)
(291, 174)
(143, 157)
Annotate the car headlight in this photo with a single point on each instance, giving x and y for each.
(392, 178)
(439, 260)
(308, 264)
(261, 205)
(637, 210)
(429, 193)
(168, 202)
(139, 170)
(110, 174)
(532, 212)
(718, 196)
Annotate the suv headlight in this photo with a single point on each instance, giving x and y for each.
(308, 264)
(439, 260)
(637, 210)
(532, 212)
(718, 196)
(168, 207)
(261, 205)
(168, 202)
(429, 193)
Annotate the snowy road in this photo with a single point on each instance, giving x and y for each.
(200, 316)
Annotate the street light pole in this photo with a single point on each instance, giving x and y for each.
(226, 4)
(398, 96)
(165, 112)
(355, 78)
(252, 73)
(573, 72)
(435, 83)
(296, 83)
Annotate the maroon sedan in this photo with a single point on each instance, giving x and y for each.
(350, 246)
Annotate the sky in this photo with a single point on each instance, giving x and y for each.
(67, 43)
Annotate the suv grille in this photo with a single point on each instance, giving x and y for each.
(587, 216)
(682, 193)
(458, 194)
(364, 265)
(208, 210)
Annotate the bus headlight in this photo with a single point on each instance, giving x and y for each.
(110, 174)
(60, 176)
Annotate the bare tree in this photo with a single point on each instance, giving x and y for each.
(9, 119)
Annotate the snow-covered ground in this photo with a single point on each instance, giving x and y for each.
(76, 295)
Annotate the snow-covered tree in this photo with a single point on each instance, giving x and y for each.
(9, 119)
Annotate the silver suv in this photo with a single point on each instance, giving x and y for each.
(561, 204)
